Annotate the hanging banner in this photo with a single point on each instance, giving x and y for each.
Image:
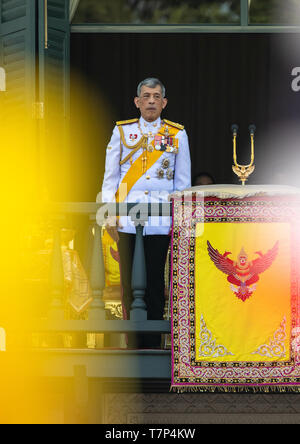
(235, 297)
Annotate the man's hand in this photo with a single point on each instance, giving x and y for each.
(111, 226)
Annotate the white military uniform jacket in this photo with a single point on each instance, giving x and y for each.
(171, 172)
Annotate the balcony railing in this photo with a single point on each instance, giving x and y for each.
(101, 362)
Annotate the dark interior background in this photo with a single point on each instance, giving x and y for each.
(212, 81)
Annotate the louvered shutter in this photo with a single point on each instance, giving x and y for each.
(34, 51)
(54, 66)
(18, 52)
(54, 50)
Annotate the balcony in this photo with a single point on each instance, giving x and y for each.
(58, 361)
(105, 383)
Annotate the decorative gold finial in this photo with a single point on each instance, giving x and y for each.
(243, 171)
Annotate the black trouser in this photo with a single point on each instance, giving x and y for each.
(156, 249)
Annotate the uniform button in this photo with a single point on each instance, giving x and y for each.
(146, 192)
(148, 177)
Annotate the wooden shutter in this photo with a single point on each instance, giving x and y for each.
(18, 53)
(34, 51)
(54, 50)
(54, 67)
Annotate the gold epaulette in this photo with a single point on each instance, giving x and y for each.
(126, 122)
(175, 125)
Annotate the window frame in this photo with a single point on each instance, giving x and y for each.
(243, 27)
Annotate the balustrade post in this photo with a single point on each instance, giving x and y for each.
(97, 276)
(139, 275)
(88, 247)
(57, 278)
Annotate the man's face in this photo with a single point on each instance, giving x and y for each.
(150, 103)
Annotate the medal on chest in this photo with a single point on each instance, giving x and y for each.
(166, 142)
(133, 137)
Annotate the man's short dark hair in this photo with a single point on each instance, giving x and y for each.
(203, 174)
(151, 82)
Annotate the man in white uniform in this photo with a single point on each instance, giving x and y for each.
(146, 160)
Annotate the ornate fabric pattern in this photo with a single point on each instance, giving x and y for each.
(222, 342)
(208, 344)
(275, 347)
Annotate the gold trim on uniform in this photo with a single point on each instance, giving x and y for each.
(143, 163)
(126, 122)
(130, 155)
(131, 147)
(175, 125)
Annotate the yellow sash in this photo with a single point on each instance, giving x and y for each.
(136, 170)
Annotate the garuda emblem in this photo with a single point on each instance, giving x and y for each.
(243, 274)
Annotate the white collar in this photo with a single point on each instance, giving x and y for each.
(155, 124)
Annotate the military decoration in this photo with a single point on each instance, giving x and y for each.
(160, 173)
(165, 163)
(133, 137)
(170, 174)
(157, 142)
(166, 143)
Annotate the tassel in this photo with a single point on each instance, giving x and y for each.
(234, 389)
